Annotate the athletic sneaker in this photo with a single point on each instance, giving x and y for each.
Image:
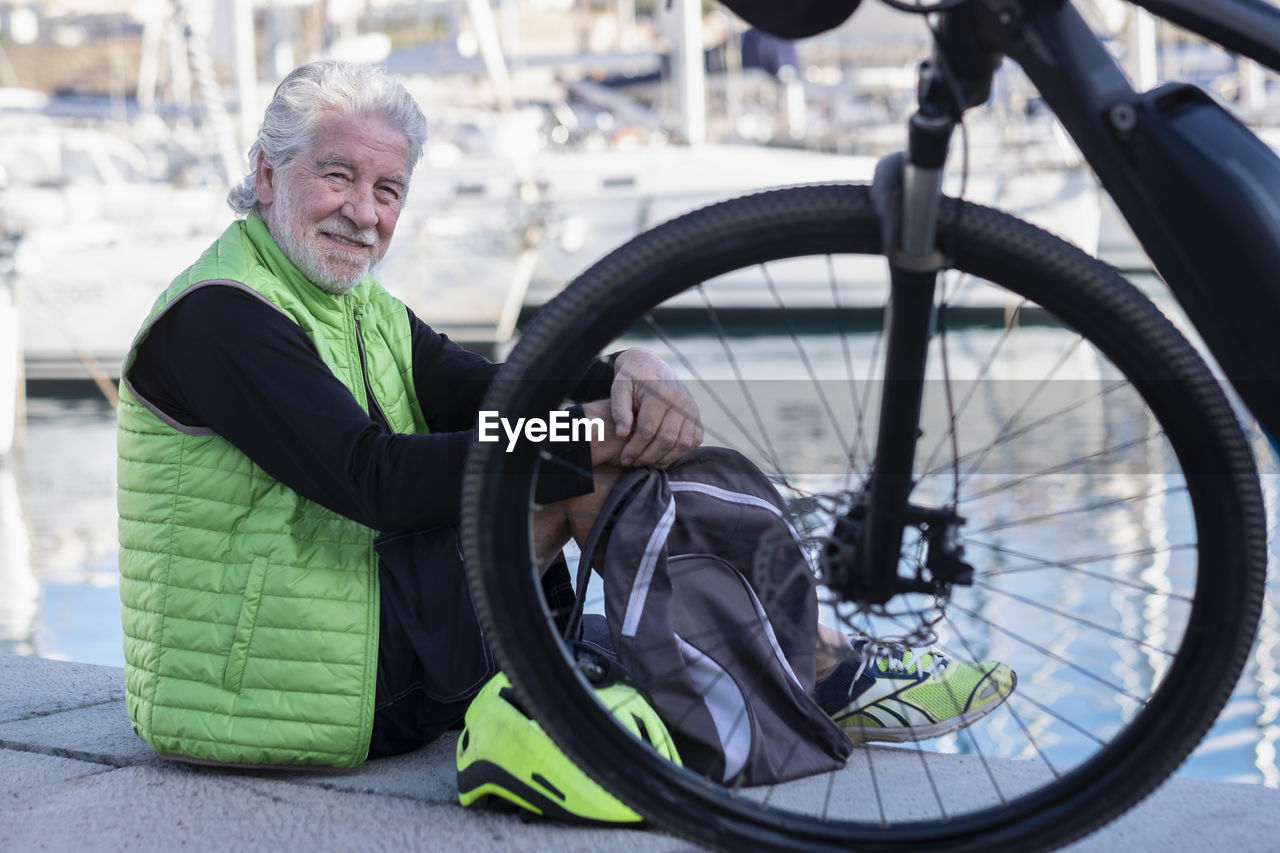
(891, 693)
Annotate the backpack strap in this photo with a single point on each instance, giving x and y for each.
(624, 492)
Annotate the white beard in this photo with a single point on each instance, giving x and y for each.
(305, 251)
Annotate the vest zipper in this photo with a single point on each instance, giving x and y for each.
(374, 407)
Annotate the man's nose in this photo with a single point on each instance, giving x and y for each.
(361, 207)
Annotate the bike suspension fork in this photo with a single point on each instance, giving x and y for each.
(908, 194)
(864, 552)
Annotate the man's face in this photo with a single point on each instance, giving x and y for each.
(334, 208)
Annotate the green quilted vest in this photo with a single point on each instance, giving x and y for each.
(251, 613)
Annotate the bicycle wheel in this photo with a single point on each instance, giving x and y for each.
(1111, 504)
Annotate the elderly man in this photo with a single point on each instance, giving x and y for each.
(290, 448)
(279, 408)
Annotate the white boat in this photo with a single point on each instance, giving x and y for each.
(102, 231)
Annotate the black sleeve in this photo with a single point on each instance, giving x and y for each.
(451, 383)
(223, 359)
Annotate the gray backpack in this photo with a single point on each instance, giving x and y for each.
(685, 555)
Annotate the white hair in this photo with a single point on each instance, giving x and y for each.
(313, 90)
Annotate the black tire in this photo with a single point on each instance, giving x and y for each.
(1160, 589)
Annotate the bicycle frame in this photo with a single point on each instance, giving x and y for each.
(1199, 190)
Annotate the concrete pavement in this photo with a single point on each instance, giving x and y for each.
(74, 776)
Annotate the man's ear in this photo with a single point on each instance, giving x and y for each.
(264, 180)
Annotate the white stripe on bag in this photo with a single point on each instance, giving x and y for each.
(644, 575)
(725, 704)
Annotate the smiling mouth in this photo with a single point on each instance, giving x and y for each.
(347, 242)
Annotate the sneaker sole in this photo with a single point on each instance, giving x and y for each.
(911, 734)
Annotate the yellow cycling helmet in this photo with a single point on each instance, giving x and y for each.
(504, 753)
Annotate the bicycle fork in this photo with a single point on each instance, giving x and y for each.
(864, 551)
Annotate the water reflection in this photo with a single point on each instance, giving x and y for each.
(57, 518)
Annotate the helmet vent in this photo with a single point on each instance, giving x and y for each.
(644, 730)
(510, 695)
(542, 780)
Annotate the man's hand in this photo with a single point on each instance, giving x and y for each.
(653, 413)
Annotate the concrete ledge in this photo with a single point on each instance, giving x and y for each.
(35, 687)
(74, 776)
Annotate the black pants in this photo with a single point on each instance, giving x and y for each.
(432, 656)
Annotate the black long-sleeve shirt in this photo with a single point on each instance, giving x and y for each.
(221, 358)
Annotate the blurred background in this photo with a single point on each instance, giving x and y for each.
(558, 130)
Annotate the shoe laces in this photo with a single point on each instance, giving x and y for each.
(895, 658)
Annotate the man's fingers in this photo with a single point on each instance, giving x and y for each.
(634, 452)
(657, 417)
(622, 404)
(658, 447)
(689, 437)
